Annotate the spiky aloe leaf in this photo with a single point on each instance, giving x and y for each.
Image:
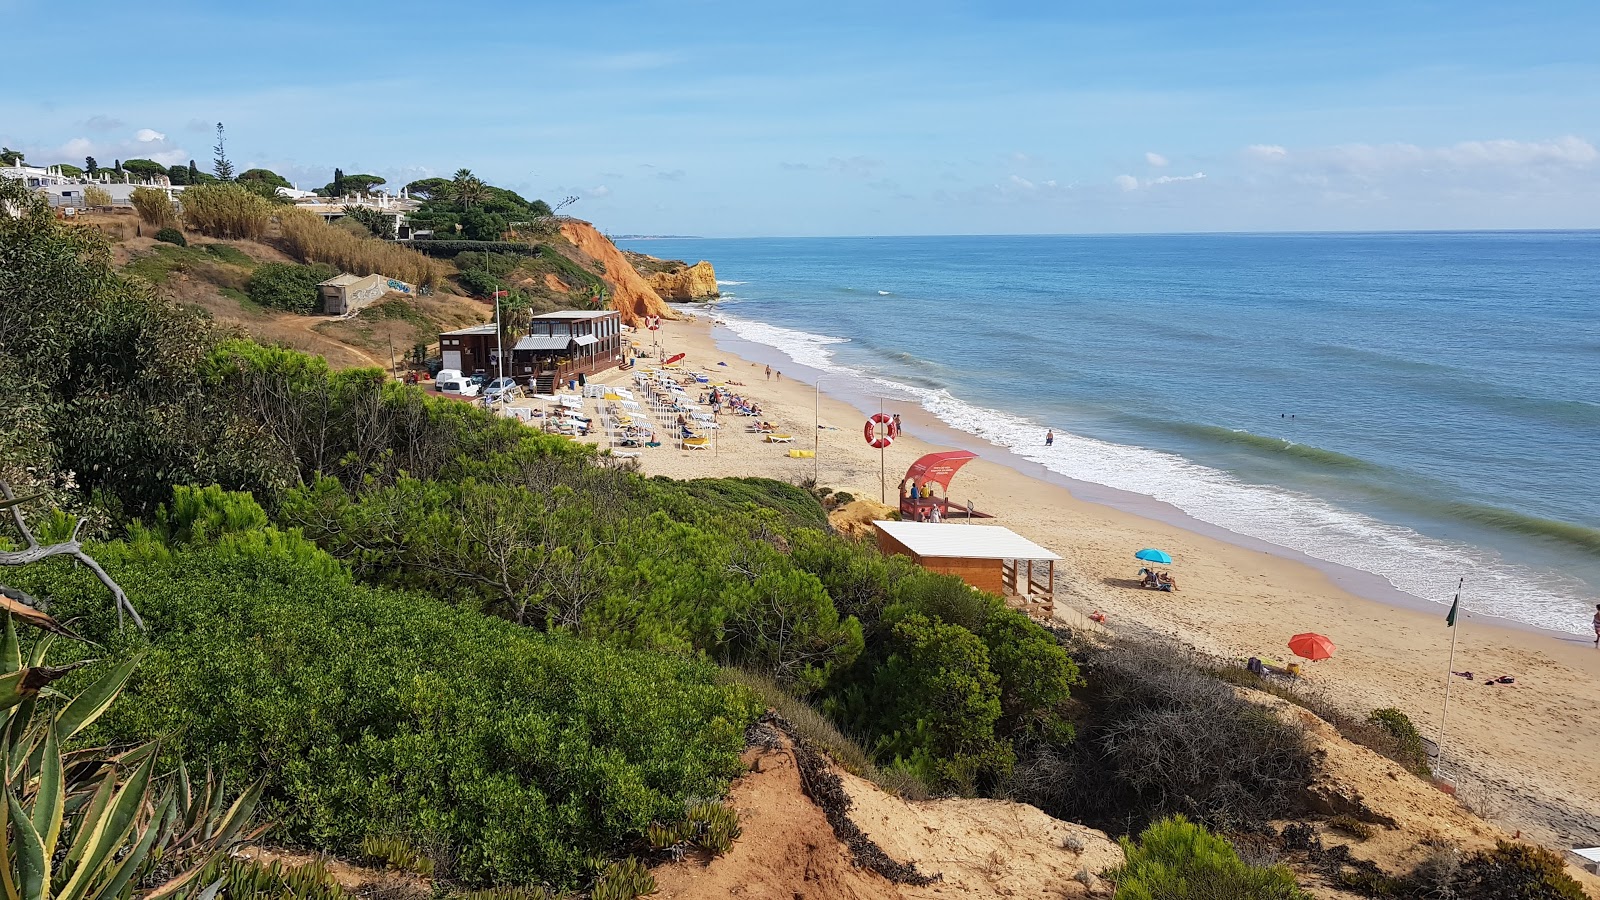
(98, 804)
(36, 618)
(94, 701)
(50, 802)
(11, 648)
(6, 881)
(238, 816)
(41, 649)
(109, 831)
(125, 870)
(33, 864)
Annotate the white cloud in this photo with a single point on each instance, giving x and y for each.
(102, 123)
(600, 191)
(1130, 183)
(147, 135)
(1156, 159)
(1019, 181)
(1266, 151)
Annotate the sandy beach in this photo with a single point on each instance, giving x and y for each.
(1522, 755)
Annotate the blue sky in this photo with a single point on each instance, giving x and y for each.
(712, 118)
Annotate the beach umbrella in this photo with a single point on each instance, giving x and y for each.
(1151, 554)
(1312, 646)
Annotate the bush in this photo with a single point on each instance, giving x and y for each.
(309, 238)
(1406, 746)
(289, 287)
(452, 247)
(96, 196)
(522, 756)
(227, 211)
(1517, 872)
(1175, 859)
(172, 236)
(1162, 736)
(154, 207)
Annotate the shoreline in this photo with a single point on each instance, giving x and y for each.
(1366, 585)
(1518, 753)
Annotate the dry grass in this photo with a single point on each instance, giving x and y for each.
(154, 207)
(226, 211)
(306, 236)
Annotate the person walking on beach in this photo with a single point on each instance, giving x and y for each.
(1597, 624)
(769, 373)
(780, 376)
(895, 425)
(1049, 437)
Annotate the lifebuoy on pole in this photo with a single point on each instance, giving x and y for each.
(877, 431)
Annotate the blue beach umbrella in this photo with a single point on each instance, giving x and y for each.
(1151, 554)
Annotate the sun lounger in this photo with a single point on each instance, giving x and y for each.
(780, 438)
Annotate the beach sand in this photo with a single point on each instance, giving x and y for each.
(1524, 756)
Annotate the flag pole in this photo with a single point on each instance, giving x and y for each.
(1449, 671)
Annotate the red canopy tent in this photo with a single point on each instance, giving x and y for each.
(938, 468)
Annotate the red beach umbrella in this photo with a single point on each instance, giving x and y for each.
(1312, 646)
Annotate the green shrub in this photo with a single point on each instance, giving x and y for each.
(1407, 747)
(520, 755)
(1175, 859)
(289, 287)
(172, 236)
(453, 247)
(1517, 872)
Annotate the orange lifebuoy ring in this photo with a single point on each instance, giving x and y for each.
(875, 439)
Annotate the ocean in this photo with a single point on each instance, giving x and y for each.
(1420, 406)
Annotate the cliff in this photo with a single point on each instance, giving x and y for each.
(674, 279)
(630, 293)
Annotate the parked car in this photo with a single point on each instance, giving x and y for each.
(501, 390)
(444, 375)
(478, 378)
(457, 385)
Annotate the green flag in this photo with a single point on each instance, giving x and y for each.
(1450, 620)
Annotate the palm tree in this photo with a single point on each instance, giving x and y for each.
(468, 189)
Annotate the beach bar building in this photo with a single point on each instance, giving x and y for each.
(989, 557)
(562, 345)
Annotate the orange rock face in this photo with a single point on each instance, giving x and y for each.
(631, 295)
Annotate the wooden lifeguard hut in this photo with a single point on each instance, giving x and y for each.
(988, 557)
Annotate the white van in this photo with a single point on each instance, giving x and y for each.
(456, 385)
(446, 375)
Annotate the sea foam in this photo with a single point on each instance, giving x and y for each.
(1422, 566)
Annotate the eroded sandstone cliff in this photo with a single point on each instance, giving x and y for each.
(675, 280)
(630, 293)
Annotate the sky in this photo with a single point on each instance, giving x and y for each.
(751, 118)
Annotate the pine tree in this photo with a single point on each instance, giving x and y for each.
(90, 167)
(194, 173)
(338, 183)
(222, 166)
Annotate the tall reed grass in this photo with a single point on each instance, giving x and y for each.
(154, 207)
(227, 211)
(94, 195)
(306, 236)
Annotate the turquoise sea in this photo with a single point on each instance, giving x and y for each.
(1420, 406)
